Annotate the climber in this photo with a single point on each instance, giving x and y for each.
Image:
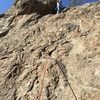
(59, 6)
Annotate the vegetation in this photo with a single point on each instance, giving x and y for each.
(74, 2)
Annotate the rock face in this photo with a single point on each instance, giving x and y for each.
(39, 6)
(64, 48)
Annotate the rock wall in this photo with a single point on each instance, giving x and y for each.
(67, 46)
(39, 6)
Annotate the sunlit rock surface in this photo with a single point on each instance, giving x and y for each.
(68, 45)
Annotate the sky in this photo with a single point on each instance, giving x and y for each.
(6, 4)
(65, 2)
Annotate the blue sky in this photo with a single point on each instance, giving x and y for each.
(65, 2)
(6, 4)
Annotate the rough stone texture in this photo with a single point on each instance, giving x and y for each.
(67, 44)
(39, 6)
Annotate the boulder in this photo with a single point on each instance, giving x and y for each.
(38, 6)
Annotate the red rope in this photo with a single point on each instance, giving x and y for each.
(45, 68)
(41, 88)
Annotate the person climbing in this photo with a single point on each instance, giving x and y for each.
(59, 6)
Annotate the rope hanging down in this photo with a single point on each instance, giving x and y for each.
(45, 68)
(41, 88)
(63, 70)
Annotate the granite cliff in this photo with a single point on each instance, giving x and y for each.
(63, 48)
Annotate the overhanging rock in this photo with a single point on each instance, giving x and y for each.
(38, 6)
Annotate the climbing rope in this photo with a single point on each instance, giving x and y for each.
(46, 64)
(41, 88)
(43, 78)
(61, 66)
(45, 67)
